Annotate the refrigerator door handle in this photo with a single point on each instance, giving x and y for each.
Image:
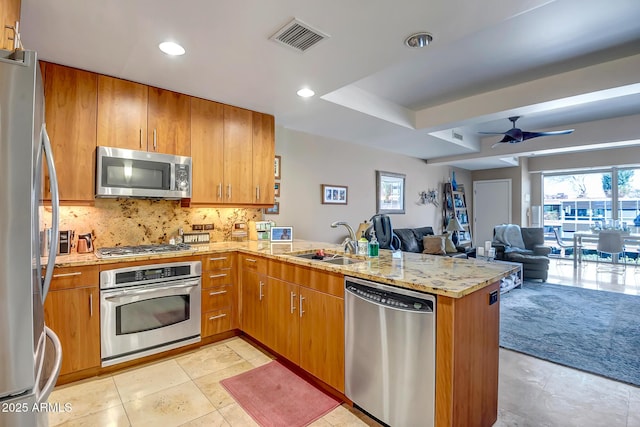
(51, 381)
(55, 206)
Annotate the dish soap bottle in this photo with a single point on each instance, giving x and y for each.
(374, 246)
(363, 243)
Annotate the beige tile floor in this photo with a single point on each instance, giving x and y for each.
(181, 391)
(186, 390)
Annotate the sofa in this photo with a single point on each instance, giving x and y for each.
(524, 245)
(412, 240)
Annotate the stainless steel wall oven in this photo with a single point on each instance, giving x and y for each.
(148, 309)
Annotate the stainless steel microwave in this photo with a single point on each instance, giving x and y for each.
(130, 173)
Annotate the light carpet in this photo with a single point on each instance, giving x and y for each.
(594, 331)
(275, 397)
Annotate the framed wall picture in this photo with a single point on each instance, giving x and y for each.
(277, 166)
(334, 194)
(390, 192)
(276, 189)
(281, 234)
(273, 210)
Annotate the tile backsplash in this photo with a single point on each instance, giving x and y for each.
(115, 222)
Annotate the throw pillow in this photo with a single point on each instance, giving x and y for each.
(449, 247)
(433, 245)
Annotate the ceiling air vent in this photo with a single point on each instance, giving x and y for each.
(298, 35)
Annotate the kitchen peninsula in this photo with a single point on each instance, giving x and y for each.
(264, 275)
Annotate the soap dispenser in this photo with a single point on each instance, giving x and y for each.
(374, 246)
(363, 245)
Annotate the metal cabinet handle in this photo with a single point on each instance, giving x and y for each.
(293, 304)
(261, 294)
(75, 273)
(140, 137)
(155, 139)
(219, 316)
(91, 304)
(258, 192)
(213, 276)
(229, 191)
(301, 309)
(220, 190)
(250, 260)
(217, 293)
(222, 258)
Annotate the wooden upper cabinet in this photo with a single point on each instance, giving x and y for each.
(168, 122)
(139, 117)
(238, 149)
(9, 14)
(263, 155)
(70, 115)
(207, 151)
(122, 113)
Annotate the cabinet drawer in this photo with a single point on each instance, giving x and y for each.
(74, 277)
(253, 263)
(221, 296)
(215, 261)
(217, 321)
(217, 278)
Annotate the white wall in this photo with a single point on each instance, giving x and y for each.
(309, 161)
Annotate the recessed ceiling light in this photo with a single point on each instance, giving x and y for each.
(171, 48)
(305, 92)
(418, 40)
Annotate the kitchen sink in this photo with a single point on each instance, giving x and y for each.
(329, 258)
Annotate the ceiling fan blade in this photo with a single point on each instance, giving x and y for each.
(492, 133)
(530, 135)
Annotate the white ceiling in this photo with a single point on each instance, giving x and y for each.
(557, 63)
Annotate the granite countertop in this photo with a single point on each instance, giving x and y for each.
(452, 277)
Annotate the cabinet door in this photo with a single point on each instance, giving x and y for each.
(73, 314)
(169, 122)
(207, 151)
(322, 336)
(283, 334)
(71, 110)
(254, 305)
(238, 137)
(263, 155)
(122, 114)
(10, 13)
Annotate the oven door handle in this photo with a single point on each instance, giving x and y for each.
(133, 293)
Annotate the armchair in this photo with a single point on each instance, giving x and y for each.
(524, 245)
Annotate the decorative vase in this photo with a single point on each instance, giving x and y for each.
(454, 184)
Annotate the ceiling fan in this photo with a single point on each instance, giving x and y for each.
(515, 135)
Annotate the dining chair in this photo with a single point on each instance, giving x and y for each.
(610, 242)
(563, 246)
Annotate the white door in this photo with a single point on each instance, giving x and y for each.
(491, 207)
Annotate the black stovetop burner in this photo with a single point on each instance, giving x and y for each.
(128, 251)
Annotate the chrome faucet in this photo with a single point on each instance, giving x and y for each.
(350, 243)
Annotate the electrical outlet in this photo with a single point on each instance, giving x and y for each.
(196, 227)
(208, 226)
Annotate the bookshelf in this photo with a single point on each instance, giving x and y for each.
(455, 203)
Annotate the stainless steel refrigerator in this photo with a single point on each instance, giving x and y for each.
(30, 353)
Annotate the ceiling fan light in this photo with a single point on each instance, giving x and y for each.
(418, 40)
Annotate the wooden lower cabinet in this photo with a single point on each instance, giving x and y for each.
(304, 325)
(322, 336)
(219, 294)
(72, 311)
(254, 294)
(283, 318)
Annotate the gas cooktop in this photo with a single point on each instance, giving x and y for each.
(130, 251)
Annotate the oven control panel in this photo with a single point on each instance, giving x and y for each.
(144, 274)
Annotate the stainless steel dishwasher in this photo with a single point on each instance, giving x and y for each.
(390, 353)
